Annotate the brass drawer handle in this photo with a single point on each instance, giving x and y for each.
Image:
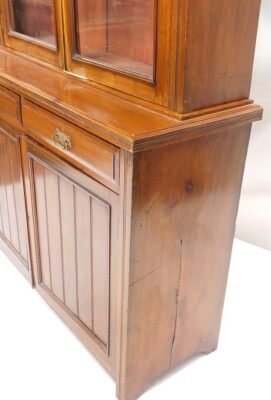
(62, 140)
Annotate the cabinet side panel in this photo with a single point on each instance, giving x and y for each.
(220, 45)
(184, 208)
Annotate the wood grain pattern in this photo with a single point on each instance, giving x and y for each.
(127, 125)
(85, 275)
(180, 251)
(45, 260)
(10, 194)
(84, 257)
(52, 206)
(75, 260)
(100, 159)
(13, 228)
(187, 32)
(117, 79)
(31, 46)
(68, 233)
(130, 229)
(1, 221)
(19, 202)
(3, 193)
(219, 37)
(1, 35)
(10, 109)
(100, 213)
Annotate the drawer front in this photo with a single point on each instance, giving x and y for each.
(84, 150)
(10, 109)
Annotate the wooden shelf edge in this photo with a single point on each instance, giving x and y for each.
(191, 129)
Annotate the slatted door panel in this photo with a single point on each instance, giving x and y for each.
(13, 228)
(73, 227)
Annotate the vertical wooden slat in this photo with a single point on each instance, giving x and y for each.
(1, 218)
(38, 172)
(1, 221)
(19, 199)
(100, 259)
(54, 231)
(66, 199)
(84, 267)
(13, 176)
(10, 194)
(3, 193)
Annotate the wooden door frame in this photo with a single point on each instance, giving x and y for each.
(162, 90)
(32, 47)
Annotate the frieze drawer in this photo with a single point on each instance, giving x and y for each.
(92, 155)
(10, 109)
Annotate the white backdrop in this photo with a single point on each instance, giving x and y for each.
(254, 218)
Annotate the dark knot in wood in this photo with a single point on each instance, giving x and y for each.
(189, 187)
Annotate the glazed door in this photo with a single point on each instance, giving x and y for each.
(123, 44)
(13, 230)
(34, 27)
(74, 225)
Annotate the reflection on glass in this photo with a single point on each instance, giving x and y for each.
(117, 32)
(34, 18)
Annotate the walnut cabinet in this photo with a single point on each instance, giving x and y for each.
(124, 127)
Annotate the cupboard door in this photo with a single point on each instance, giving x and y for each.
(123, 44)
(74, 227)
(13, 228)
(34, 28)
(120, 34)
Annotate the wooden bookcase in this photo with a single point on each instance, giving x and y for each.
(124, 128)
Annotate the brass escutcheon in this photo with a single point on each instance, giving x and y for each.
(62, 140)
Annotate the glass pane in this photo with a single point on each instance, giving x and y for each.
(117, 32)
(34, 18)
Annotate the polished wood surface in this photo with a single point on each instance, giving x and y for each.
(72, 268)
(219, 37)
(145, 88)
(13, 229)
(1, 37)
(31, 25)
(122, 123)
(192, 70)
(10, 106)
(96, 157)
(74, 233)
(131, 182)
(179, 250)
